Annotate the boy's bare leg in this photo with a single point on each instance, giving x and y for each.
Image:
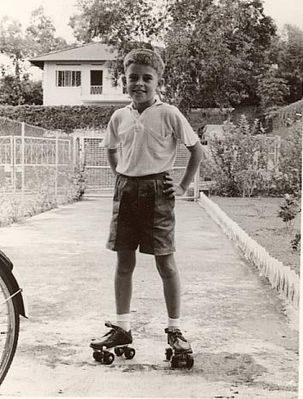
(126, 261)
(171, 284)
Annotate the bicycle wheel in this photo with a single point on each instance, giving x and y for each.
(9, 324)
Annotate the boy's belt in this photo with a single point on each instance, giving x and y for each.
(155, 176)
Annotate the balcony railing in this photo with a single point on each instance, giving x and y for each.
(94, 90)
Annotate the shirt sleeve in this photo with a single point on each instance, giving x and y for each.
(111, 139)
(183, 130)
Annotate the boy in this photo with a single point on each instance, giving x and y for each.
(143, 205)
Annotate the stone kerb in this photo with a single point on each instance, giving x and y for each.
(281, 277)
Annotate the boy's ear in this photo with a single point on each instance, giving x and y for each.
(160, 82)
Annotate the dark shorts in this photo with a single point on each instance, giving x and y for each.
(142, 216)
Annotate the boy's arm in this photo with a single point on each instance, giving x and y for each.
(196, 154)
(112, 157)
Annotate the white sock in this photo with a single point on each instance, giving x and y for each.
(175, 323)
(123, 321)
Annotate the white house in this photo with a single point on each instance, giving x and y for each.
(80, 76)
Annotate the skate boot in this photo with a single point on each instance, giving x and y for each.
(116, 338)
(179, 353)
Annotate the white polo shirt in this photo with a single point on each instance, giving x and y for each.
(149, 140)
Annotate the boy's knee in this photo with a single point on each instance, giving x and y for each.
(166, 266)
(126, 262)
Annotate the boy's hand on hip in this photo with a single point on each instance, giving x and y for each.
(172, 190)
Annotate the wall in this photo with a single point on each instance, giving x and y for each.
(53, 95)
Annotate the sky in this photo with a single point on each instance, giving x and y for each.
(282, 11)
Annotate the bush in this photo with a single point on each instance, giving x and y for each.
(240, 161)
(289, 208)
(65, 118)
(288, 178)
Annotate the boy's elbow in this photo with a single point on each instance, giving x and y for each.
(198, 151)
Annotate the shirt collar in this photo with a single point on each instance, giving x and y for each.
(157, 102)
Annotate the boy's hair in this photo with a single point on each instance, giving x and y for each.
(144, 56)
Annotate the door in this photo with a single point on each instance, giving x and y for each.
(96, 82)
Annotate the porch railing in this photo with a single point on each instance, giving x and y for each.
(94, 90)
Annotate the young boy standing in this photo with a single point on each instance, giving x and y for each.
(143, 205)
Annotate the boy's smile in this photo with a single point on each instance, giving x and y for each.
(141, 83)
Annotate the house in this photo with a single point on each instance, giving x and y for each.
(80, 76)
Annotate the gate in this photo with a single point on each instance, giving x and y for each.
(98, 175)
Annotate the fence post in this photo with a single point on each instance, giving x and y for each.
(13, 162)
(22, 162)
(56, 165)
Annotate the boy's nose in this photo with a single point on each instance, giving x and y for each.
(140, 82)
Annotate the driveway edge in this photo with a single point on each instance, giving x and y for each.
(281, 277)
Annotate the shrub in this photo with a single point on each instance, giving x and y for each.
(289, 208)
(240, 161)
(65, 118)
(288, 178)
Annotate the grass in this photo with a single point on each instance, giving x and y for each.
(259, 218)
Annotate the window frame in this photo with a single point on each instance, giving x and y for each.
(70, 78)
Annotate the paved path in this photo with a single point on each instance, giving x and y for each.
(243, 342)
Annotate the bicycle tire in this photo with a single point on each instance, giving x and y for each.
(9, 324)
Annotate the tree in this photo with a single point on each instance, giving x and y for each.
(272, 90)
(122, 24)
(215, 64)
(18, 45)
(41, 33)
(290, 61)
(14, 91)
(13, 43)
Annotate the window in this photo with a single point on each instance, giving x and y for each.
(68, 78)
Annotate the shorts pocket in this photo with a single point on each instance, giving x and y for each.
(119, 186)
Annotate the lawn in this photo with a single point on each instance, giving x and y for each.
(259, 218)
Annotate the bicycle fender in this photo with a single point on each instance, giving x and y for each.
(14, 279)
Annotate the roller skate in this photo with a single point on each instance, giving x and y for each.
(179, 353)
(116, 338)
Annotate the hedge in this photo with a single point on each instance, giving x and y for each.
(65, 118)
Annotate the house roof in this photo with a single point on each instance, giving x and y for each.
(88, 52)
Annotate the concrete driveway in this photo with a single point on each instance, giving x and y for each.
(245, 345)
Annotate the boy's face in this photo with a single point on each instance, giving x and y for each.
(141, 84)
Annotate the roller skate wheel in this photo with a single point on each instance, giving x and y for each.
(108, 358)
(119, 351)
(129, 353)
(179, 362)
(98, 356)
(168, 353)
(189, 361)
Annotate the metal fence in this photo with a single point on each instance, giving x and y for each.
(32, 158)
(98, 175)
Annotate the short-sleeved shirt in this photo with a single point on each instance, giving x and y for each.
(149, 140)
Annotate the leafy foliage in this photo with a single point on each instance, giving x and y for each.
(41, 33)
(290, 61)
(272, 90)
(288, 178)
(14, 91)
(215, 64)
(65, 118)
(240, 161)
(289, 208)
